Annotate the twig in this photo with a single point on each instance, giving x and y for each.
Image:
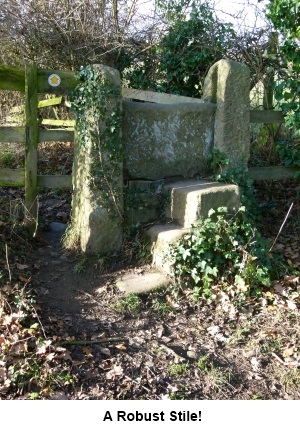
(89, 295)
(288, 363)
(278, 358)
(286, 217)
(90, 342)
(172, 352)
(138, 383)
(37, 218)
(7, 262)
(37, 317)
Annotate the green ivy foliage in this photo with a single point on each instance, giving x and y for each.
(238, 176)
(190, 48)
(194, 40)
(224, 251)
(285, 16)
(99, 122)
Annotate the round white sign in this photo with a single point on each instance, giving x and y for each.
(54, 80)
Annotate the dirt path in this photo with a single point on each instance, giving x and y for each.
(164, 348)
(57, 282)
(161, 346)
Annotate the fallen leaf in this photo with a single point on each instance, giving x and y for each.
(42, 347)
(104, 350)
(64, 356)
(115, 371)
(7, 320)
(291, 305)
(213, 330)
(290, 263)
(278, 288)
(5, 387)
(50, 356)
(21, 266)
(121, 346)
(288, 352)
(19, 348)
(25, 280)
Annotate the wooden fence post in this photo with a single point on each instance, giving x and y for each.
(31, 139)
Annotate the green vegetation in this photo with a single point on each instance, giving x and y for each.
(7, 159)
(238, 176)
(194, 39)
(160, 305)
(131, 303)
(223, 253)
(179, 369)
(284, 15)
(90, 102)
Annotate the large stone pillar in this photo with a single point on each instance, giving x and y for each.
(97, 205)
(228, 85)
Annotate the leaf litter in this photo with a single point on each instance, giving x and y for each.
(49, 342)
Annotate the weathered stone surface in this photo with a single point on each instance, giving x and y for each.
(93, 228)
(193, 199)
(162, 140)
(160, 237)
(190, 200)
(142, 201)
(142, 284)
(228, 85)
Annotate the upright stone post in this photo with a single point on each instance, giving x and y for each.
(228, 85)
(97, 205)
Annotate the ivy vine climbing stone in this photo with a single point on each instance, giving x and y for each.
(97, 206)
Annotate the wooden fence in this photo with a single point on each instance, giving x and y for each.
(33, 81)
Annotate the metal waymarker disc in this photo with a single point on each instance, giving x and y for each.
(54, 80)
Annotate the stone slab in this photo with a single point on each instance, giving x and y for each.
(160, 238)
(142, 284)
(142, 201)
(96, 217)
(228, 85)
(191, 200)
(163, 140)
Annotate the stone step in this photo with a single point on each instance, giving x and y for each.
(133, 283)
(191, 200)
(160, 237)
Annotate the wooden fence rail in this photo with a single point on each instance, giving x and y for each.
(33, 81)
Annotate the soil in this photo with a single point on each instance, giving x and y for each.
(159, 346)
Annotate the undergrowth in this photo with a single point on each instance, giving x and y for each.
(225, 255)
